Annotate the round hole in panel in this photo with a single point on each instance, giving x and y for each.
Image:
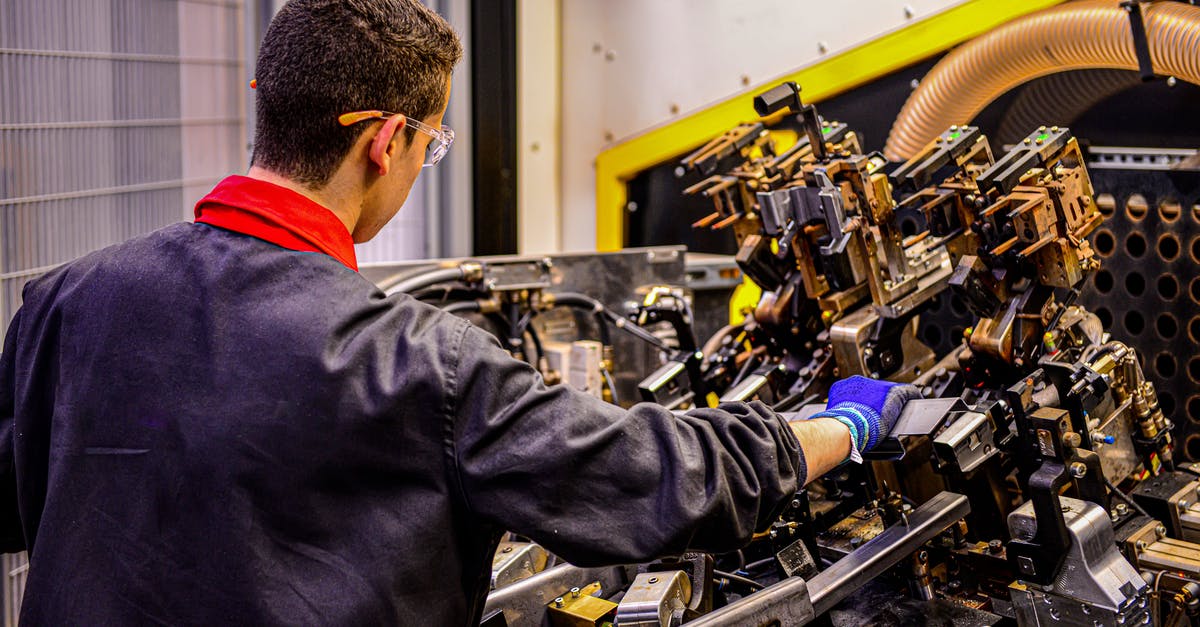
(1196, 250)
(1192, 446)
(1105, 243)
(1165, 365)
(1168, 287)
(1105, 316)
(1107, 205)
(1135, 243)
(1166, 402)
(1168, 247)
(1194, 329)
(1194, 290)
(933, 335)
(1193, 409)
(1194, 369)
(1103, 281)
(1136, 207)
(1169, 210)
(1167, 326)
(1135, 284)
(957, 306)
(1135, 323)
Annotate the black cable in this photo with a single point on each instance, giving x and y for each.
(746, 581)
(574, 298)
(612, 385)
(758, 564)
(537, 347)
(1125, 498)
(746, 368)
(447, 292)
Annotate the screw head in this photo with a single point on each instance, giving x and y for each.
(558, 602)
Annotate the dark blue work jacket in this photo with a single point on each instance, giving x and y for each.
(201, 427)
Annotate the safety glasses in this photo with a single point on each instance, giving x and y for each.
(438, 147)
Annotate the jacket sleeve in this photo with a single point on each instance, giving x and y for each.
(598, 484)
(12, 537)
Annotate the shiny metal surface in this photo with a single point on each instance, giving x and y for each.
(796, 602)
(655, 599)
(515, 561)
(524, 603)
(1094, 586)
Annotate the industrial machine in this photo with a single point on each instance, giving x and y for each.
(1041, 480)
(1036, 483)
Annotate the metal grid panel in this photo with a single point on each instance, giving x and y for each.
(115, 117)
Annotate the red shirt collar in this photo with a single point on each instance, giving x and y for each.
(278, 215)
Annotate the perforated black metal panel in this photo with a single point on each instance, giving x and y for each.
(1147, 291)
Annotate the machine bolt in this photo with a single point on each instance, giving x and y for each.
(995, 546)
(653, 580)
(1114, 516)
(1183, 504)
(1122, 509)
(1141, 545)
(1072, 439)
(507, 549)
(558, 602)
(574, 593)
(1160, 531)
(855, 541)
(1078, 470)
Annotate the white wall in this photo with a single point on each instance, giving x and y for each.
(630, 65)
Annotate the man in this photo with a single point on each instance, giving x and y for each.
(222, 422)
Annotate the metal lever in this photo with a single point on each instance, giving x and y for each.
(794, 601)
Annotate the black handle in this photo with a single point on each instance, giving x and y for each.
(781, 96)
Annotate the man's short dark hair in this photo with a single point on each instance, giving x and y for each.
(322, 58)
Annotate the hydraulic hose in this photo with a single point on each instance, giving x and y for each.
(471, 271)
(462, 306)
(424, 280)
(1074, 36)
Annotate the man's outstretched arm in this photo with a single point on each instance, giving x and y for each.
(596, 483)
(826, 443)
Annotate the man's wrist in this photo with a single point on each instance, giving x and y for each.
(852, 432)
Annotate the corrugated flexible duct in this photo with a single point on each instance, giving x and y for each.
(1073, 36)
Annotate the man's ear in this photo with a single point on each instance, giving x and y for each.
(383, 137)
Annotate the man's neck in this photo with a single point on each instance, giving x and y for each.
(342, 203)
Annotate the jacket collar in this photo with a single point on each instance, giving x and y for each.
(277, 215)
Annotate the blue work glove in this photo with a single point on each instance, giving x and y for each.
(869, 407)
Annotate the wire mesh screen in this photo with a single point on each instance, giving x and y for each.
(115, 117)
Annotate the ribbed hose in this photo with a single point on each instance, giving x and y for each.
(1059, 100)
(1074, 36)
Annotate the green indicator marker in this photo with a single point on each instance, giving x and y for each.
(1042, 137)
(956, 135)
